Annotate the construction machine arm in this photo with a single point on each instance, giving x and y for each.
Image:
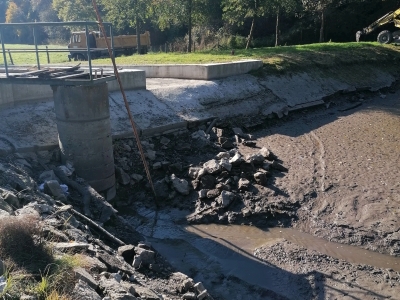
(388, 18)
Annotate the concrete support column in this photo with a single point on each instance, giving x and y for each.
(84, 133)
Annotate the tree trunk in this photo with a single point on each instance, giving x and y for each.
(251, 34)
(139, 45)
(277, 33)
(322, 29)
(190, 25)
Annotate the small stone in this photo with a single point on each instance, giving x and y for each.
(137, 177)
(117, 277)
(165, 141)
(83, 291)
(54, 189)
(225, 198)
(11, 199)
(151, 154)
(203, 295)
(189, 296)
(137, 262)
(246, 212)
(122, 176)
(236, 160)
(187, 284)
(255, 158)
(147, 256)
(203, 194)
(222, 187)
(212, 166)
(194, 172)
(222, 155)
(243, 184)
(261, 178)
(266, 153)
(127, 252)
(83, 275)
(225, 164)
(157, 166)
(180, 185)
(213, 193)
(127, 147)
(251, 144)
(199, 287)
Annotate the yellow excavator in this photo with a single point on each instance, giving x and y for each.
(385, 36)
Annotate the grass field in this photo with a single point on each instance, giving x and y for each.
(277, 59)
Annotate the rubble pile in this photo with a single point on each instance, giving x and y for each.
(109, 268)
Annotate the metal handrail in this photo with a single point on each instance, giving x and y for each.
(34, 25)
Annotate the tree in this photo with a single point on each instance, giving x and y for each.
(187, 13)
(238, 11)
(3, 8)
(74, 10)
(279, 7)
(126, 14)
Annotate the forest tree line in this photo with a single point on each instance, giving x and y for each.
(187, 25)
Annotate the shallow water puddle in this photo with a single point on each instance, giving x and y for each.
(247, 238)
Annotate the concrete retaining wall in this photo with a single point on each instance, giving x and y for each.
(201, 72)
(13, 94)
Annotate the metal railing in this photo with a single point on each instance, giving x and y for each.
(35, 25)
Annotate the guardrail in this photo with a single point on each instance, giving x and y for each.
(34, 26)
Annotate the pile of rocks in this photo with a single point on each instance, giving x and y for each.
(110, 268)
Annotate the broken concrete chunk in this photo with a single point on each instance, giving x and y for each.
(143, 292)
(83, 291)
(199, 287)
(81, 274)
(203, 194)
(266, 153)
(187, 284)
(222, 155)
(54, 189)
(137, 177)
(204, 294)
(236, 160)
(212, 166)
(194, 172)
(225, 198)
(213, 193)
(180, 185)
(256, 158)
(189, 296)
(224, 163)
(137, 262)
(147, 256)
(151, 154)
(71, 247)
(127, 252)
(11, 199)
(122, 176)
(243, 184)
(261, 178)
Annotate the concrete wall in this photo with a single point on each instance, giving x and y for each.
(201, 72)
(13, 94)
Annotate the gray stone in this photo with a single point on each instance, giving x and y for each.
(187, 284)
(204, 294)
(127, 252)
(261, 178)
(151, 154)
(243, 184)
(11, 199)
(157, 165)
(115, 263)
(117, 277)
(266, 153)
(115, 290)
(137, 177)
(5, 206)
(224, 163)
(47, 176)
(222, 155)
(194, 172)
(236, 160)
(212, 166)
(92, 263)
(180, 185)
(3, 283)
(165, 141)
(225, 198)
(127, 147)
(83, 291)
(213, 193)
(189, 296)
(143, 292)
(199, 287)
(203, 194)
(147, 256)
(256, 158)
(122, 176)
(54, 189)
(137, 262)
(81, 274)
(71, 247)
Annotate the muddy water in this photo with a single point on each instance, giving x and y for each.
(247, 238)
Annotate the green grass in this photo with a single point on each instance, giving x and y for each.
(275, 59)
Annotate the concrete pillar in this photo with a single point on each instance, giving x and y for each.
(84, 133)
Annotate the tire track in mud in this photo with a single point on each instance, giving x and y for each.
(319, 160)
